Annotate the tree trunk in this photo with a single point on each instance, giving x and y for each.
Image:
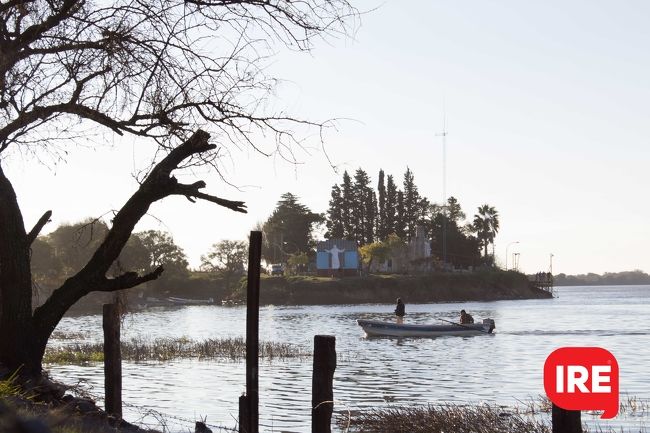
(23, 333)
(17, 341)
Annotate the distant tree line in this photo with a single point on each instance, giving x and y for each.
(607, 279)
(68, 248)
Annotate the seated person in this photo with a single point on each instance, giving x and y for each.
(400, 311)
(465, 318)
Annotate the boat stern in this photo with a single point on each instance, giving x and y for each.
(489, 325)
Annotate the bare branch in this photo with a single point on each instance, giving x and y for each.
(126, 281)
(192, 191)
(31, 236)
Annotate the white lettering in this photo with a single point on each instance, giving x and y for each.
(559, 378)
(577, 376)
(598, 379)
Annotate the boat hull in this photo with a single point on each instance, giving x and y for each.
(185, 301)
(378, 328)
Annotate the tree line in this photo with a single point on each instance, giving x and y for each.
(63, 252)
(607, 279)
(358, 212)
(380, 220)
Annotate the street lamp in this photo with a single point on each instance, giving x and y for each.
(508, 246)
(515, 261)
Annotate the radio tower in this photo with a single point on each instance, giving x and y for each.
(443, 134)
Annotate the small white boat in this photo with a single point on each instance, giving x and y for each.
(374, 328)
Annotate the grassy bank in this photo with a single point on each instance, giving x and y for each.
(436, 287)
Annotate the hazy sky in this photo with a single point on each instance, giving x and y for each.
(547, 107)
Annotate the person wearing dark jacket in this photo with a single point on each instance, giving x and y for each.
(465, 318)
(400, 311)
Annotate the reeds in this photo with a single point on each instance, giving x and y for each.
(530, 417)
(441, 419)
(166, 349)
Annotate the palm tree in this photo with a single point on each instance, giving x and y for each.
(486, 226)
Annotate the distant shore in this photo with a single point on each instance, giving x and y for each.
(311, 290)
(436, 287)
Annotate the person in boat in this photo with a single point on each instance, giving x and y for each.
(400, 311)
(465, 318)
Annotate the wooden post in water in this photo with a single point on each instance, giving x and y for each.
(252, 330)
(322, 394)
(112, 360)
(566, 421)
(244, 416)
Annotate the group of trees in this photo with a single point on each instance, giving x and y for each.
(358, 212)
(64, 251)
(67, 249)
(289, 230)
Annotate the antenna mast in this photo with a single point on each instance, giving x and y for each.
(445, 213)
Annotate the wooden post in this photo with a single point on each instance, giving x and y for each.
(322, 394)
(244, 416)
(252, 329)
(566, 421)
(112, 360)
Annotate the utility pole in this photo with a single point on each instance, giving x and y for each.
(443, 134)
(508, 246)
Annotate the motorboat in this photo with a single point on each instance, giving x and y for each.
(376, 328)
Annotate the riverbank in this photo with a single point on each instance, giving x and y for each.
(435, 287)
(39, 405)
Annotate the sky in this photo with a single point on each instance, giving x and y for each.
(546, 107)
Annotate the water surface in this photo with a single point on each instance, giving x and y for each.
(504, 368)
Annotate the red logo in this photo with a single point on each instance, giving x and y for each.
(582, 378)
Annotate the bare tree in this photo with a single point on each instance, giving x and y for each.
(157, 69)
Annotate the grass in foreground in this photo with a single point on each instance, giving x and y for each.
(532, 417)
(167, 349)
(441, 419)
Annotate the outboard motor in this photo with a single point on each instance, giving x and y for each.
(490, 324)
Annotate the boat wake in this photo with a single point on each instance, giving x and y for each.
(599, 332)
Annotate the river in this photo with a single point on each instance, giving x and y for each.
(504, 368)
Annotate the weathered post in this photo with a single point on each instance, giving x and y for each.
(566, 421)
(252, 330)
(322, 394)
(112, 360)
(244, 416)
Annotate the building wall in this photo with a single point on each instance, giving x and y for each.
(348, 258)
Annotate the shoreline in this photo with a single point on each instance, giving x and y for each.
(384, 289)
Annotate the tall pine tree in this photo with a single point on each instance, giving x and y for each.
(400, 224)
(370, 224)
(412, 209)
(335, 215)
(391, 206)
(347, 203)
(382, 232)
(363, 214)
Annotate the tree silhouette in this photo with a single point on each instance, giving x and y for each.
(289, 229)
(155, 70)
(382, 227)
(486, 226)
